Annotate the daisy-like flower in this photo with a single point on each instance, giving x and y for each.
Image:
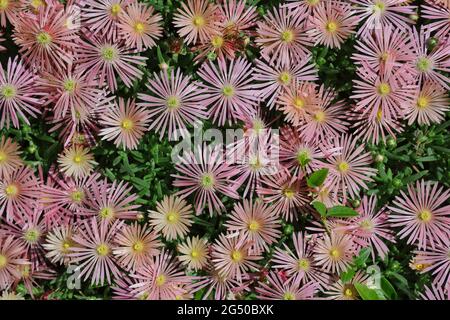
(125, 124)
(194, 253)
(10, 159)
(332, 23)
(11, 258)
(334, 252)
(272, 80)
(435, 293)
(346, 290)
(300, 265)
(8, 11)
(76, 161)
(430, 105)
(174, 103)
(136, 245)
(236, 15)
(439, 17)
(281, 289)
(309, 5)
(327, 120)
(429, 65)
(173, 217)
(220, 287)
(379, 14)
(94, 253)
(19, 93)
(255, 222)
(422, 214)
(107, 60)
(59, 242)
(102, 17)
(373, 227)
(44, 40)
(197, 20)
(160, 280)
(350, 171)
(206, 175)
(19, 193)
(437, 261)
(110, 201)
(297, 100)
(11, 296)
(282, 35)
(232, 256)
(139, 26)
(384, 50)
(229, 88)
(286, 193)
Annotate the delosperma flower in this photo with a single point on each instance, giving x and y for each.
(8, 11)
(106, 60)
(282, 35)
(11, 257)
(94, 251)
(125, 124)
(341, 290)
(58, 244)
(440, 24)
(309, 5)
(421, 214)
(437, 262)
(334, 252)
(281, 289)
(256, 222)
(173, 217)
(174, 103)
(194, 253)
(76, 161)
(10, 159)
(435, 293)
(139, 26)
(228, 88)
(332, 23)
(238, 16)
(196, 20)
(19, 93)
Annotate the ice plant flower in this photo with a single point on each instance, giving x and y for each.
(229, 88)
(174, 103)
(341, 290)
(59, 243)
(421, 214)
(139, 26)
(439, 17)
(197, 20)
(135, 246)
(255, 222)
(10, 159)
(334, 252)
(435, 293)
(125, 124)
(281, 289)
(94, 252)
(11, 258)
(282, 35)
(173, 217)
(19, 93)
(8, 11)
(76, 161)
(106, 60)
(194, 253)
(437, 261)
(238, 16)
(206, 175)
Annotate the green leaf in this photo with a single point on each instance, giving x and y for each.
(388, 289)
(347, 275)
(362, 257)
(317, 178)
(320, 207)
(341, 212)
(366, 293)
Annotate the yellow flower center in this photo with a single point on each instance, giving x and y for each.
(4, 4)
(173, 102)
(319, 116)
(217, 42)
(43, 38)
(289, 296)
(299, 102)
(289, 193)
(379, 114)
(379, 7)
(172, 216)
(348, 292)
(258, 126)
(228, 90)
(303, 157)
(66, 245)
(32, 235)
(160, 280)
(3, 157)
(313, 2)
(287, 36)
(254, 225)
(127, 124)
(331, 26)
(77, 159)
(106, 213)
(255, 163)
(77, 196)
(195, 254)
(384, 56)
(199, 21)
(8, 91)
(138, 246)
(303, 264)
(384, 89)
(335, 254)
(115, 9)
(103, 250)
(425, 215)
(69, 85)
(139, 27)
(3, 261)
(423, 102)
(109, 53)
(423, 64)
(236, 256)
(366, 225)
(207, 180)
(285, 77)
(12, 190)
(36, 4)
(343, 166)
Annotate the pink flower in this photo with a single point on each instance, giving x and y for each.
(8, 12)
(10, 159)
(105, 60)
(76, 161)
(281, 289)
(205, 174)
(282, 35)
(435, 293)
(437, 261)
(174, 103)
(422, 214)
(11, 258)
(194, 253)
(229, 88)
(19, 93)
(236, 15)
(125, 124)
(255, 222)
(334, 252)
(139, 26)
(346, 290)
(310, 6)
(439, 17)
(59, 242)
(332, 23)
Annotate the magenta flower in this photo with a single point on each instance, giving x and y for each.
(439, 17)
(174, 103)
(422, 214)
(8, 12)
(105, 60)
(10, 159)
(94, 255)
(346, 290)
(19, 93)
(281, 289)
(334, 252)
(237, 16)
(282, 35)
(11, 258)
(125, 124)
(435, 293)
(310, 6)
(205, 174)
(229, 88)
(437, 261)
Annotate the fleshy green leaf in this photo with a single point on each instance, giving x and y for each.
(341, 212)
(317, 178)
